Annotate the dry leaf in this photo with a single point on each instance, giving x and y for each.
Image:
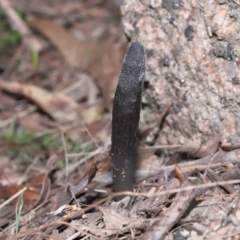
(3, 221)
(63, 235)
(101, 59)
(32, 122)
(12, 178)
(65, 197)
(113, 220)
(92, 171)
(46, 185)
(75, 52)
(58, 106)
(179, 174)
(210, 147)
(105, 67)
(30, 195)
(191, 146)
(96, 231)
(195, 148)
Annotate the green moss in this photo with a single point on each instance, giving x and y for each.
(23, 145)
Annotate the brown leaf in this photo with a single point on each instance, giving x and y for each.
(30, 195)
(179, 174)
(92, 171)
(46, 185)
(105, 166)
(101, 59)
(75, 52)
(58, 106)
(105, 67)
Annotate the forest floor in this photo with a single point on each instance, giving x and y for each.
(58, 73)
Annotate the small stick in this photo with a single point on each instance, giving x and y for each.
(13, 197)
(125, 118)
(214, 177)
(179, 206)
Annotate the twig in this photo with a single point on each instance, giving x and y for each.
(209, 164)
(157, 147)
(13, 197)
(18, 212)
(201, 164)
(179, 206)
(126, 193)
(74, 166)
(89, 134)
(145, 131)
(172, 147)
(65, 155)
(17, 55)
(18, 25)
(46, 185)
(74, 236)
(18, 115)
(214, 177)
(32, 109)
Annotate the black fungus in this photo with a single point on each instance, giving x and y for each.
(125, 118)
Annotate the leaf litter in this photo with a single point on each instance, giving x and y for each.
(55, 178)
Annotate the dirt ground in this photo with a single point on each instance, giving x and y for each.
(59, 67)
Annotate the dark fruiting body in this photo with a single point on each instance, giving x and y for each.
(125, 117)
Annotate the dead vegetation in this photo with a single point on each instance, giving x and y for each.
(56, 96)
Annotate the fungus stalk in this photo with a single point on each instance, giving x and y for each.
(125, 118)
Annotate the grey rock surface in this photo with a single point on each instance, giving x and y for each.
(192, 53)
